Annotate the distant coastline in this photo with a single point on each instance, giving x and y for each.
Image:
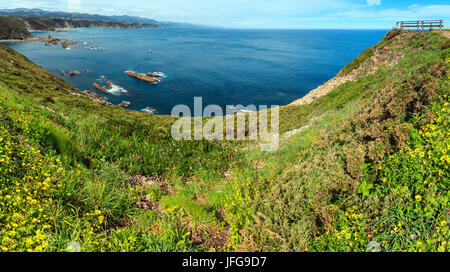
(18, 28)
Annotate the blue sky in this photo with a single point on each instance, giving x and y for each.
(371, 14)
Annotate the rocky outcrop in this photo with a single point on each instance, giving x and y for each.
(66, 44)
(149, 110)
(153, 75)
(382, 57)
(142, 77)
(125, 104)
(12, 29)
(109, 85)
(52, 41)
(100, 88)
(74, 73)
(95, 97)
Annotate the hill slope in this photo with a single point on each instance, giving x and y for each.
(50, 24)
(365, 161)
(38, 13)
(12, 28)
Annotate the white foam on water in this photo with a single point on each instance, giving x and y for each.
(149, 110)
(161, 74)
(117, 90)
(240, 109)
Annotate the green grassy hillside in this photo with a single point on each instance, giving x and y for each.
(369, 165)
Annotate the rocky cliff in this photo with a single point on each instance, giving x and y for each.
(12, 28)
(17, 28)
(51, 24)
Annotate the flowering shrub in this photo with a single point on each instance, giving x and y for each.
(414, 185)
(27, 181)
(416, 181)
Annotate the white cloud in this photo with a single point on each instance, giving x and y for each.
(373, 2)
(413, 12)
(74, 4)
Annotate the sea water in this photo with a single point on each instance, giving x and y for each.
(223, 66)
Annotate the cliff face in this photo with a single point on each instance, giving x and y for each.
(17, 28)
(38, 13)
(12, 28)
(50, 24)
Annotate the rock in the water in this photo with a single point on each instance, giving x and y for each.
(373, 246)
(142, 77)
(149, 110)
(61, 72)
(73, 246)
(100, 88)
(153, 75)
(74, 73)
(125, 104)
(109, 85)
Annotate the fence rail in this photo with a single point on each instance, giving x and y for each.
(425, 24)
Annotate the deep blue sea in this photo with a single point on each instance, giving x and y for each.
(224, 66)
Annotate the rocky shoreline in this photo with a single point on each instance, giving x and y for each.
(30, 39)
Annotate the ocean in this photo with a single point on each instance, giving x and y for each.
(223, 66)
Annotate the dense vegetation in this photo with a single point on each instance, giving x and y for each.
(12, 28)
(370, 165)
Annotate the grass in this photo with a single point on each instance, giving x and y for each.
(114, 180)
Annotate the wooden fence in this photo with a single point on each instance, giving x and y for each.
(428, 24)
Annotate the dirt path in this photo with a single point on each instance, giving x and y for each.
(446, 33)
(382, 57)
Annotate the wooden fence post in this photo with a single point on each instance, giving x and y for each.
(424, 24)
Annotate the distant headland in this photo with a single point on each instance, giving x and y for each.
(16, 25)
